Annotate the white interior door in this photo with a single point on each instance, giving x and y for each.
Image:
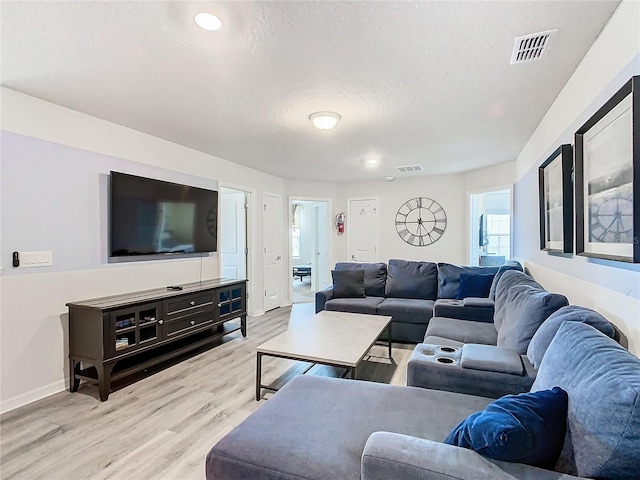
(323, 270)
(233, 232)
(272, 243)
(362, 229)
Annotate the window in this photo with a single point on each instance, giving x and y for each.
(499, 235)
(295, 230)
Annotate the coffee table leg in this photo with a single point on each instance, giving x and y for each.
(353, 373)
(389, 338)
(258, 376)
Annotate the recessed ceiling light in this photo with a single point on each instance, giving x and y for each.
(208, 21)
(389, 178)
(324, 120)
(372, 161)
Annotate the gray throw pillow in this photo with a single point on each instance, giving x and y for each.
(571, 313)
(348, 283)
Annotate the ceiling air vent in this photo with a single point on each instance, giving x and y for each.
(410, 168)
(531, 47)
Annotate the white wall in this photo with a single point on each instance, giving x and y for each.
(33, 326)
(448, 190)
(613, 288)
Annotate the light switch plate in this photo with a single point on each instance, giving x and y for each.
(36, 259)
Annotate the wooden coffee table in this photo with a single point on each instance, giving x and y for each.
(337, 339)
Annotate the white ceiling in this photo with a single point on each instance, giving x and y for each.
(425, 83)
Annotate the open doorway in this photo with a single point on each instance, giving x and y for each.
(309, 256)
(491, 228)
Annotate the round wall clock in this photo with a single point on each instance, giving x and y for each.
(421, 221)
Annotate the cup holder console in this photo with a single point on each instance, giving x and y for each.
(445, 360)
(440, 354)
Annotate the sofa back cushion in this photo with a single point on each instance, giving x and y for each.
(449, 277)
(375, 276)
(571, 313)
(527, 307)
(603, 418)
(509, 279)
(408, 279)
(510, 265)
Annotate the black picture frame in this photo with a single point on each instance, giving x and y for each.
(555, 191)
(607, 179)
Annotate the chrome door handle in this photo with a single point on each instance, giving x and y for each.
(353, 257)
(192, 303)
(160, 322)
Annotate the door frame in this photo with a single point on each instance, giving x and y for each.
(251, 241)
(469, 220)
(347, 226)
(330, 243)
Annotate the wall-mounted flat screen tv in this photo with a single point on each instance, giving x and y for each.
(152, 217)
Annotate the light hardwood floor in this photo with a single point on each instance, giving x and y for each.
(162, 426)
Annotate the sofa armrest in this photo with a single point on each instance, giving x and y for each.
(322, 296)
(476, 309)
(389, 456)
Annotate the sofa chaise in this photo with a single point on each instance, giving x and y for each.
(324, 428)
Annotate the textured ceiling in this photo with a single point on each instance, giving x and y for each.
(425, 83)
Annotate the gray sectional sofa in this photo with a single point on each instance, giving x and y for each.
(409, 291)
(324, 428)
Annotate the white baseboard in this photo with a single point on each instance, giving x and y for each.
(32, 396)
(258, 313)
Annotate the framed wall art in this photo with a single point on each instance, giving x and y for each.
(556, 201)
(607, 179)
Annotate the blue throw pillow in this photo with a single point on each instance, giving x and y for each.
(474, 285)
(528, 428)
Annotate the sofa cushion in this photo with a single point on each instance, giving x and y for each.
(348, 283)
(408, 310)
(603, 420)
(528, 428)
(474, 285)
(354, 305)
(375, 276)
(465, 331)
(510, 265)
(449, 277)
(408, 279)
(527, 307)
(491, 358)
(317, 427)
(509, 279)
(571, 313)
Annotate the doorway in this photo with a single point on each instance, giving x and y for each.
(490, 228)
(234, 251)
(309, 254)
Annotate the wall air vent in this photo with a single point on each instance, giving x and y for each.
(531, 47)
(410, 168)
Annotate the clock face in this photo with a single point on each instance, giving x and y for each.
(612, 221)
(212, 221)
(421, 221)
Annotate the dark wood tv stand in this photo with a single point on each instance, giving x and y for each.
(114, 337)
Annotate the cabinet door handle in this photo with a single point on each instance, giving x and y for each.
(160, 321)
(192, 303)
(193, 322)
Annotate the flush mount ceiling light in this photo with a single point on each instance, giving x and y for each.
(389, 178)
(372, 161)
(208, 21)
(324, 120)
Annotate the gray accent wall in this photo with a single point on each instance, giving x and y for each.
(55, 197)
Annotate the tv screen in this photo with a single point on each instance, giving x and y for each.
(152, 217)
